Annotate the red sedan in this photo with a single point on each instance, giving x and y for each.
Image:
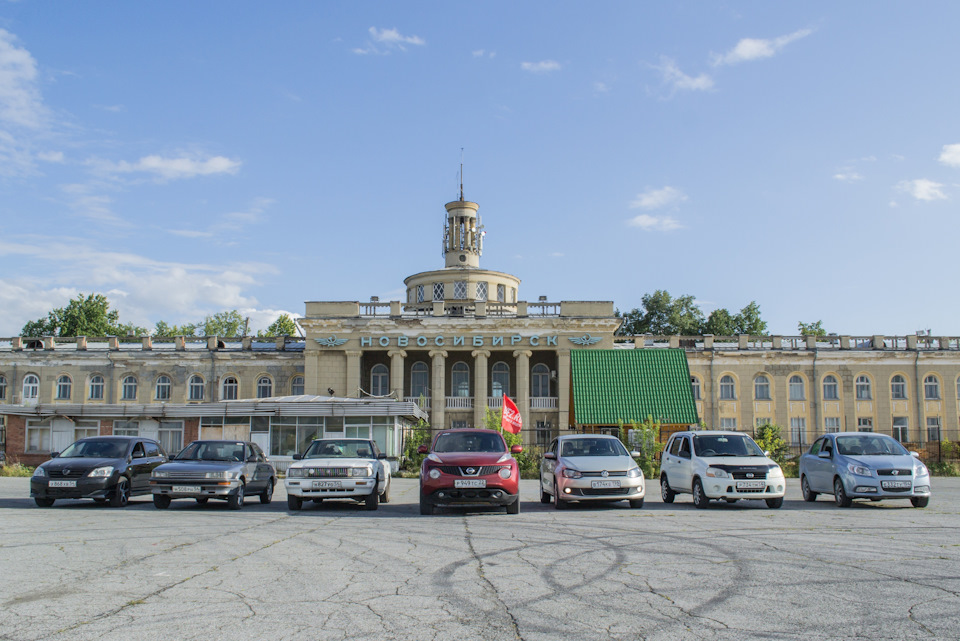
(469, 468)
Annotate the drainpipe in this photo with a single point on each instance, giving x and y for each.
(714, 403)
(816, 392)
(916, 376)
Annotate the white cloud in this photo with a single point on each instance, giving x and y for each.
(657, 198)
(847, 175)
(678, 80)
(51, 156)
(170, 168)
(601, 87)
(647, 222)
(20, 101)
(544, 66)
(756, 49)
(950, 155)
(85, 200)
(922, 189)
(230, 222)
(384, 41)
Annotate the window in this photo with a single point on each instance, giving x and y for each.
(501, 293)
(898, 388)
(831, 424)
(129, 389)
(900, 430)
(164, 388)
(540, 381)
(126, 428)
(38, 436)
(728, 389)
(96, 388)
(64, 387)
(296, 386)
(544, 432)
(831, 390)
(420, 295)
(460, 380)
(728, 423)
(31, 387)
(760, 422)
(865, 424)
(761, 388)
(500, 379)
(231, 388)
(171, 436)
(695, 387)
(460, 290)
(458, 425)
(862, 386)
(797, 391)
(196, 387)
(933, 428)
(379, 380)
(3, 388)
(264, 387)
(420, 380)
(798, 430)
(958, 388)
(931, 388)
(438, 291)
(482, 290)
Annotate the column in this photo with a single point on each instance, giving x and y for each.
(563, 389)
(480, 385)
(353, 375)
(396, 372)
(523, 392)
(438, 401)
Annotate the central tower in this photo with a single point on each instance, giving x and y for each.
(462, 235)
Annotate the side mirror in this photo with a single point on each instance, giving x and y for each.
(54, 454)
(423, 449)
(252, 458)
(137, 454)
(823, 454)
(766, 453)
(297, 457)
(635, 454)
(381, 455)
(550, 456)
(516, 449)
(914, 454)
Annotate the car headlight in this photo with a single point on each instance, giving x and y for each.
(40, 472)
(775, 471)
(859, 470)
(434, 473)
(634, 472)
(717, 473)
(160, 474)
(505, 472)
(572, 474)
(361, 471)
(920, 470)
(101, 472)
(295, 473)
(221, 475)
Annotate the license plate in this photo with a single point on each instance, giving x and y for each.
(470, 483)
(751, 485)
(603, 484)
(319, 485)
(186, 489)
(895, 485)
(63, 484)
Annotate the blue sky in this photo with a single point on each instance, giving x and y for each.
(186, 158)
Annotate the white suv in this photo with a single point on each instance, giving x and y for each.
(719, 465)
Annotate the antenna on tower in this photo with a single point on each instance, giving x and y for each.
(461, 173)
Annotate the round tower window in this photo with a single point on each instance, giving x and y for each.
(463, 258)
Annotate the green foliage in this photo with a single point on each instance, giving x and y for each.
(811, 329)
(229, 324)
(748, 321)
(644, 438)
(528, 459)
(769, 438)
(283, 326)
(632, 322)
(664, 315)
(944, 468)
(416, 436)
(720, 323)
(15, 469)
(83, 316)
(949, 449)
(166, 330)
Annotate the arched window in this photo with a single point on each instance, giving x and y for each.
(196, 388)
(931, 388)
(797, 392)
(419, 380)
(460, 380)
(761, 388)
(3, 388)
(264, 387)
(898, 388)
(500, 379)
(64, 388)
(231, 388)
(540, 381)
(862, 387)
(379, 380)
(831, 389)
(728, 388)
(695, 388)
(958, 387)
(164, 388)
(129, 389)
(296, 386)
(31, 387)
(96, 388)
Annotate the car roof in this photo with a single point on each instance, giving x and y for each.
(111, 437)
(567, 437)
(711, 432)
(337, 438)
(468, 430)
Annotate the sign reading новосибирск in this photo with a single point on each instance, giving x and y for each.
(457, 341)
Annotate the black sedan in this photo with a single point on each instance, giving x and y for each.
(102, 468)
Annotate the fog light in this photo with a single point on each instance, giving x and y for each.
(716, 488)
(440, 494)
(496, 495)
(434, 473)
(923, 489)
(566, 490)
(505, 473)
(864, 489)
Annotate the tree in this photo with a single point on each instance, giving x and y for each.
(166, 330)
(283, 326)
(748, 321)
(811, 329)
(645, 439)
(720, 323)
(769, 438)
(83, 316)
(225, 324)
(632, 324)
(527, 460)
(686, 319)
(656, 312)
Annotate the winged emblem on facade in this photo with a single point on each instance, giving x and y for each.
(330, 341)
(586, 339)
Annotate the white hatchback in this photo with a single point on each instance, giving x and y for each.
(726, 466)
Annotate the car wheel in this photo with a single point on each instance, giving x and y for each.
(385, 497)
(43, 502)
(544, 495)
(808, 495)
(373, 499)
(514, 508)
(700, 499)
(161, 501)
(121, 493)
(202, 500)
(426, 507)
(775, 503)
(235, 500)
(920, 501)
(636, 503)
(294, 503)
(665, 492)
(267, 495)
(839, 494)
(558, 503)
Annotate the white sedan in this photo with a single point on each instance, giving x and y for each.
(590, 467)
(339, 468)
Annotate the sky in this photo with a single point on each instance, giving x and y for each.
(187, 158)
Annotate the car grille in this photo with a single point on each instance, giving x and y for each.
(748, 490)
(185, 475)
(73, 473)
(753, 476)
(897, 489)
(480, 470)
(601, 473)
(326, 472)
(906, 472)
(600, 491)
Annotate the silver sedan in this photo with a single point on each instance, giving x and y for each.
(590, 467)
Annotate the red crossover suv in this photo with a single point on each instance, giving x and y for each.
(469, 467)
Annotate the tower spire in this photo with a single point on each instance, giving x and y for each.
(461, 174)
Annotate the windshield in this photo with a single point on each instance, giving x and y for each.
(469, 442)
(725, 445)
(592, 447)
(332, 448)
(869, 445)
(96, 449)
(212, 451)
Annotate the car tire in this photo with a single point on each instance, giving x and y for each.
(920, 501)
(666, 494)
(839, 494)
(808, 495)
(426, 507)
(121, 493)
(267, 495)
(373, 499)
(294, 503)
(385, 497)
(544, 496)
(636, 503)
(161, 501)
(514, 508)
(43, 502)
(202, 500)
(775, 504)
(558, 503)
(235, 500)
(700, 500)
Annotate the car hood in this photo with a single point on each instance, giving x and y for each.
(598, 463)
(469, 458)
(198, 466)
(886, 462)
(339, 461)
(754, 461)
(82, 463)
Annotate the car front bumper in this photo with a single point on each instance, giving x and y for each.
(468, 497)
(728, 488)
(84, 488)
(352, 488)
(864, 487)
(594, 489)
(186, 489)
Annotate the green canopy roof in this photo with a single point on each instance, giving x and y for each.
(628, 385)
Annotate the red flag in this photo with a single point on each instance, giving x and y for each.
(511, 420)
